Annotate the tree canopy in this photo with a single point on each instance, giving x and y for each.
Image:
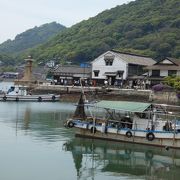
(147, 27)
(173, 82)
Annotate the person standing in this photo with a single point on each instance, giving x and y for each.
(105, 82)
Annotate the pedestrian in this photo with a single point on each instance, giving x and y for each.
(105, 82)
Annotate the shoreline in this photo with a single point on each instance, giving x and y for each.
(72, 94)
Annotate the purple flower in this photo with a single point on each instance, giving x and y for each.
(161, 87)
(178, 95)
(158, 87)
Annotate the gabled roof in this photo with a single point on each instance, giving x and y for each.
(131, 58)
(169, 64)
(123, 106)
(175, 61)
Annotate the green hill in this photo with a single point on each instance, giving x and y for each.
(30, 38)
(149, 27)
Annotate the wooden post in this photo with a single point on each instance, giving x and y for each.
(174, 133)
(67, 90)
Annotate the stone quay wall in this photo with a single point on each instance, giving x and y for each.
(112, 93)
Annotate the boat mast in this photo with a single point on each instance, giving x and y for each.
(80, 112)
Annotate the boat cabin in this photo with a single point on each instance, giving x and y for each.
(133, 115)
(17, 90)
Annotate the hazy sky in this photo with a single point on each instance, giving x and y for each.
(16, 16)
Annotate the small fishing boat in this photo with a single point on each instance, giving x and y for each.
(19, 93)
(132, 122)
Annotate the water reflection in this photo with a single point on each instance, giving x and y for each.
(133, 161)
(40, 136)
(40, 120)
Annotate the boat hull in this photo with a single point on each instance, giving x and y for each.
(34, 98)
(160, 142)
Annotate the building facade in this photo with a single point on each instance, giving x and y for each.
(163, 68)
(116, 67)
(70, 75)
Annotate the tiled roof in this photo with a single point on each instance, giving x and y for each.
(163, 67)
(158, 66)
(72, 70)
(135, 59)
(175, 61)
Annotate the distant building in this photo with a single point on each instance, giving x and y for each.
(50, 64)
(114, 66)
(69, 74)
(11, 75)
(163, 68)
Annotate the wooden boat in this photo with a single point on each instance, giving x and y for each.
(132, 122)
(19, 93)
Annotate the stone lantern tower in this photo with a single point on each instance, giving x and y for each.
(28, 79)
(28, 69)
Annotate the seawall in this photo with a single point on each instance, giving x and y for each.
(110, 93)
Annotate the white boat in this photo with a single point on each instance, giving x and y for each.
(132, 122)
(19, 93)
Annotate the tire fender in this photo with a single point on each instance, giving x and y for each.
(150, 136)
(129, 134)
(39, 99)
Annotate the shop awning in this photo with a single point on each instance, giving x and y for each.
(123, 105)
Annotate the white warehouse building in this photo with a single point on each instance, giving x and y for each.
(115, 66)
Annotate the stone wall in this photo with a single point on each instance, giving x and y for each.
(165, 97)
(114, 93)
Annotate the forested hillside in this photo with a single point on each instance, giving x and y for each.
(149, 27)
(30, 38)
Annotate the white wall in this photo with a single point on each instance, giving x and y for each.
(150, 73)
(163, 73)
(99, 64)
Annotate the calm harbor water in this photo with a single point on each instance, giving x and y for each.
(35, 145)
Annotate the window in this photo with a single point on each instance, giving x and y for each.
(108, 62)
(134, 69)
(156, 73)
(96, 73)
(109, 58)
(120, 73)
(172, 72)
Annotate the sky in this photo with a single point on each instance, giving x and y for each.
(17, 16)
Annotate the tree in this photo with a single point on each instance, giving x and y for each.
(173, 81)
